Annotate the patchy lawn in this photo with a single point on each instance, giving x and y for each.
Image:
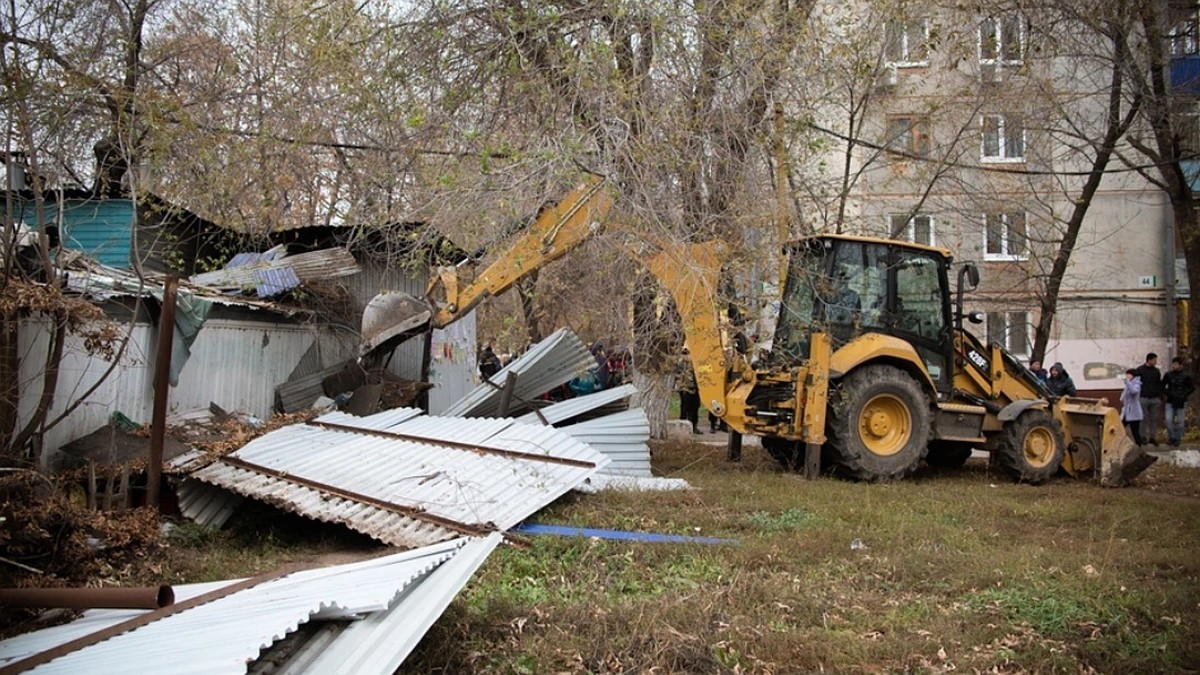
(954, 570)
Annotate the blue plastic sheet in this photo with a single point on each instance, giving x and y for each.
(618, 535)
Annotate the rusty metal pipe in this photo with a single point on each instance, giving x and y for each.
(148, 597)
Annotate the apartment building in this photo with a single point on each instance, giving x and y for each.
(978, 132)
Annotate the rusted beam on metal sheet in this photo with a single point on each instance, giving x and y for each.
(411, 512)
(32, 661)
(162, 381)
(471, 447)
(148, 597)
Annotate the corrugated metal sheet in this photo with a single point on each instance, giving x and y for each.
(421, 480)
(299, 393)
(623, 438)
(270, 282)
(401, 595)
(548, 364)
(574, 407)
(235, 364)
(206, 504)
(311, 266)
(378, 644)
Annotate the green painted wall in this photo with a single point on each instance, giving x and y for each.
(101, 228)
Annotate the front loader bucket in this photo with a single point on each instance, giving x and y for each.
(1099, 445)
(391, 318)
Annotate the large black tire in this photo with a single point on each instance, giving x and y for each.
(879, 424)
(1030, 448)
(948, 454)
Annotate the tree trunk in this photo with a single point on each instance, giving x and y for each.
(10, 381)
(654, 398)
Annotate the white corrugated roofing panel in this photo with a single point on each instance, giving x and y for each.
(224, 635)
(379, 643)
(574, 407)
(547, 364)
(623, 438)
(442, 478)
(205, 504)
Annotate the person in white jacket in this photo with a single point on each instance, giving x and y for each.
(1131, 407)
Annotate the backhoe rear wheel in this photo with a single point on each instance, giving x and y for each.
(1031, 447)
(879, 424)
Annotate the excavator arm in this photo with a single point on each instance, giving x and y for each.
(690, 272)
(556, 231)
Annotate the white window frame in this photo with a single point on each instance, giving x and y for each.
(997, 64)
(1006, 238)
(1011, 321)
(909, 232)
(910, 44)
(1002, 156)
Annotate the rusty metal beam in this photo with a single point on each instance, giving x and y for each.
(148, 597)
(30, 662)
(162, 390)
(411, 512)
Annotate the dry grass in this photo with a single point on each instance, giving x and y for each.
(960, 571)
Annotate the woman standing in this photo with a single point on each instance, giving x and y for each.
(1131, 406)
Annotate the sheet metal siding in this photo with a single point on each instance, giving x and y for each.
(472, 488)
(235, 364)
(546, 365)
(101, 228)
(224, 635)
(573, 407)
(453, 368)
(622, 437)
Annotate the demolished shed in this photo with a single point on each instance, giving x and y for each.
(402, 477)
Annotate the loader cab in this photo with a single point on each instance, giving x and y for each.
(849, 286)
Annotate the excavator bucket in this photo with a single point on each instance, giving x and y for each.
(1099, 445)
(391, 318)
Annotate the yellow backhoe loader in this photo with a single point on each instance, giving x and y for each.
(870, 371)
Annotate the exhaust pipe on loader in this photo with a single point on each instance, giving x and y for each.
(1099, 445)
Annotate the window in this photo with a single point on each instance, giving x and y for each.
(907, 43)
(1003, 138)
(1011, 330)
(1001, 45)
(908, 136)
(917, 229)
(1006, 237)
(1183, 33)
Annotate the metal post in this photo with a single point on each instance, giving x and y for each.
(510, 384)
(734, 447)
(812, 461)
(162, 381)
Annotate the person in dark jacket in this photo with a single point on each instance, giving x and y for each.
(1178, 385)
(1060, 383)
(689, 392)
(1038, 371)
(1152, 395)
(489, 363)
